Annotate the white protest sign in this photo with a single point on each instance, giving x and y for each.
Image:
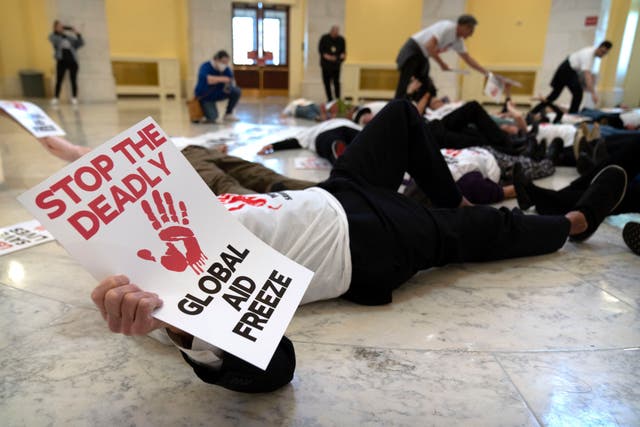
(494, 87)
(22, 236)
(135, 206)
(32, 118)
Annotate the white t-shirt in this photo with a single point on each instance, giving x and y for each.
(550, 131)
(308, 226)
(472, 159)
(307, 137)
(443, 111)
(445, 33)
(582, 60)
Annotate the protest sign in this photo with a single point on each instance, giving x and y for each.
(32, 118)
(494, 87)
(22, 236)
(135, 206)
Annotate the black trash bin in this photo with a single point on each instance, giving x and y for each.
(32, 83)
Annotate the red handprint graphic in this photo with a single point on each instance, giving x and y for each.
(238, 201)
(172, 230)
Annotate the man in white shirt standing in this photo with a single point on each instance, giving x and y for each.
(413, 58)
(580, 61)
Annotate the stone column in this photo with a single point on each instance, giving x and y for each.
(210, 31)
(95, 77)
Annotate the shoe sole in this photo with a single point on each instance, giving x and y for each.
(588, 233)
(631, 236)
(626, 182)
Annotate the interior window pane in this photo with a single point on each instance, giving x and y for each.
(275, 35)
(243, 27)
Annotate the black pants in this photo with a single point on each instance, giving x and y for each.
(470, 126)
(325, 140)
(565, 76)
(411, 63)
(392, 237)
(624, 152)
(67, 63)
(331, 74)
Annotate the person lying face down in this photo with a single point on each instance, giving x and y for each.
(329, 228)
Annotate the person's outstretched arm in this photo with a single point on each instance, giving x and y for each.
(286, 144)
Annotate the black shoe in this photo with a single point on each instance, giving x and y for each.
(584, 164)
(631, 236)
(532, 148)
(554, 152)
(600, 151)
(604, 194)
(541, 151)
(520, 181)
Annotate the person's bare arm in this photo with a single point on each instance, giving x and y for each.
(516, 115)
(591, 87)
(432, 49)
(473, 63)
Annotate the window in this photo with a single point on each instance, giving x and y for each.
(259, 34)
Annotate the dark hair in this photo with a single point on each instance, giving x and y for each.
(361, 112)
(606, 44)
(467, 20)
(221, 54)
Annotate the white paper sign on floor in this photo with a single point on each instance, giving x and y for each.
(22, 235)
(135, 206)
(32, 118)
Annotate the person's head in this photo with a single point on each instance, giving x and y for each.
(363, 116)
(466, 26)
(603, 48)
(221, 57)
(335, 31)
(57, 26)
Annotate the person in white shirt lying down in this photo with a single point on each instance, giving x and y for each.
(329, 230)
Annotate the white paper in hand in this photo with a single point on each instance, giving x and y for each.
(32, 118)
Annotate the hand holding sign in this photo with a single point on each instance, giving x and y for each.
(173, 259)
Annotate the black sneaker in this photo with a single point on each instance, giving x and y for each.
(631, 236)
(604, 194)
(584, 164)
(519, 182)
(554, 152)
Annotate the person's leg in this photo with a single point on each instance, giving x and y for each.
(253, 176)
(576, 92)
(416, 65)
(473, 113)
(234, 97)
(394, 142)
(73, 74)
(336, 81)
(61, 68)
(203, 161)
(456, 139)
(326, 80)
(210, 110)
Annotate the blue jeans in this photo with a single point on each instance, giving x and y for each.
(211, 111)
(311, 111)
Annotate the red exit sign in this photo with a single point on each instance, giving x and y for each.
(590, 21)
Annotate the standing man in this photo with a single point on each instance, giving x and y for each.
(216, 83)
(332, 48)
(413, 58)
(567, 75)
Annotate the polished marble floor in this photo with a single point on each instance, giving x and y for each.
(550, 340)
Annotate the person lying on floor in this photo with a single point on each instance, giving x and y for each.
(334, 224)
(221, 172)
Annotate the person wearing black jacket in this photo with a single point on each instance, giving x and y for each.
(66, 41)
(408, 238)
(333, 51)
